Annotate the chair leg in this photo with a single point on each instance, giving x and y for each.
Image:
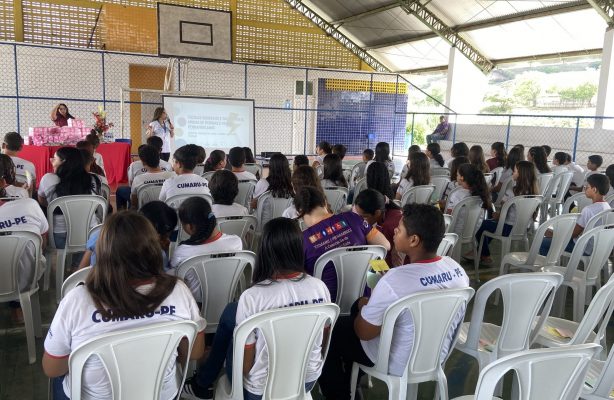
(26, 307)
(442, 386)
(476, 259)
(60, 265)
(578, 303)
(560, 297)
(409, 392)
(47, 275)
(36, 316)
(354, 380)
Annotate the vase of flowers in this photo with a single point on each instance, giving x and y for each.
(101, 126)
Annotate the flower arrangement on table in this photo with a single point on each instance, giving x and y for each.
(101, 127)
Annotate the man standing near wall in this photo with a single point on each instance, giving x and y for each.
(440, 132)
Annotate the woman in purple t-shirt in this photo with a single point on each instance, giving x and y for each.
(326, 231)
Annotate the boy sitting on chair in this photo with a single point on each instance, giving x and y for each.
(356, 338)
(186, 181)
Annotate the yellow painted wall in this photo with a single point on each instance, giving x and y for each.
(142, 77)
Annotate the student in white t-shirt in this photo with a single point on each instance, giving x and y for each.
(94, 140)
(11, 146)
(418, 173)
(151, 161)
(278, 184)
(355, 338)
(302, 176)
(186, 182)
(597, 186)
(69, 178)
(453, 184)
(7, 179)
(592, 165)
(199, 222)
(609, 172)
(279, 281)
(333, 172)
(224, 187)
(322, 150)
(200, 162)
(236, 158)
(137, 168)
(127, 289)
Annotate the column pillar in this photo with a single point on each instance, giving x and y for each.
(605, 93)
(466, 84)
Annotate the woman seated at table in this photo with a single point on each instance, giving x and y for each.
(60, 115)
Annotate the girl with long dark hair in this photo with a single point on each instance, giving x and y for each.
(216, 161)
(127, 284)
(333, 172)
(419, 173)
(60, 115)
(433, 152)
(476, 157)
(537, 155)
(498, 156)
(302, 176)
(279, 280)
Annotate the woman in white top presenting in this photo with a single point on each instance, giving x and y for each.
(162, 127)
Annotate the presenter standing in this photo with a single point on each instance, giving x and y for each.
(162, 127)
(60, 115)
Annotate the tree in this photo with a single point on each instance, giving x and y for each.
(585, 92)
(527, 92)
(499, 104)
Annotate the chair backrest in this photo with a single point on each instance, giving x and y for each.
(351, 265)
(246, 191)
(599, 313)
(75, 279)
(361, 184)
(578, 200)
(440, 183)
(526, 206)
(21, 178)
(542, 181)
(78, 212)
(446, 247)
(440, 171)
(562, 227)
(602, 240)
(469, 210)
(357, 172)
(604, 217)
(220, 275)
(295, 328)
(105, 191)
(12, 246)
(524, 296)
(601, 381)
(418, 194)
(488, 177)
(208, 175)
(241, 225)
(136, 360)
(175, 201)
(276, 205)
(148, 192)
(564, 183)
(336, 197)
(552, 185)
(433, 312)
(610, 200)
(496, 175)
(544, 374)
(255, 169)
(450, 196)
(505, 187)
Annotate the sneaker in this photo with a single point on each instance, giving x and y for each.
(193, 391)
(486, 261)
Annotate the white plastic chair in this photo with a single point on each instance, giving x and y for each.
(221, 277)
(295, 328)
(555, 330)
(357, 172)
(440, 183)
(105, 191)
(361, 184)
(525, 208)
(418, 194)
(488, 177)
(610, 200)
(78, 212)
(562, 227)
(524, 296)
(433, 313)
(351, 265)
(549, 192)
(577, 280)
(174, 202)
(496, 175)
(255, 169)
(469, 211)
(505, 187)
(147, 193)
(599, 381)
(208, 175)
(246, 191)
(12, 247)
(554, 203)
(542, 182)
(276, 206)
(578, 200)
(440, 171)
(243, 226)
(135, 359)
(446, 247)
(75, 279)
(544, 374)
(336, 197)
